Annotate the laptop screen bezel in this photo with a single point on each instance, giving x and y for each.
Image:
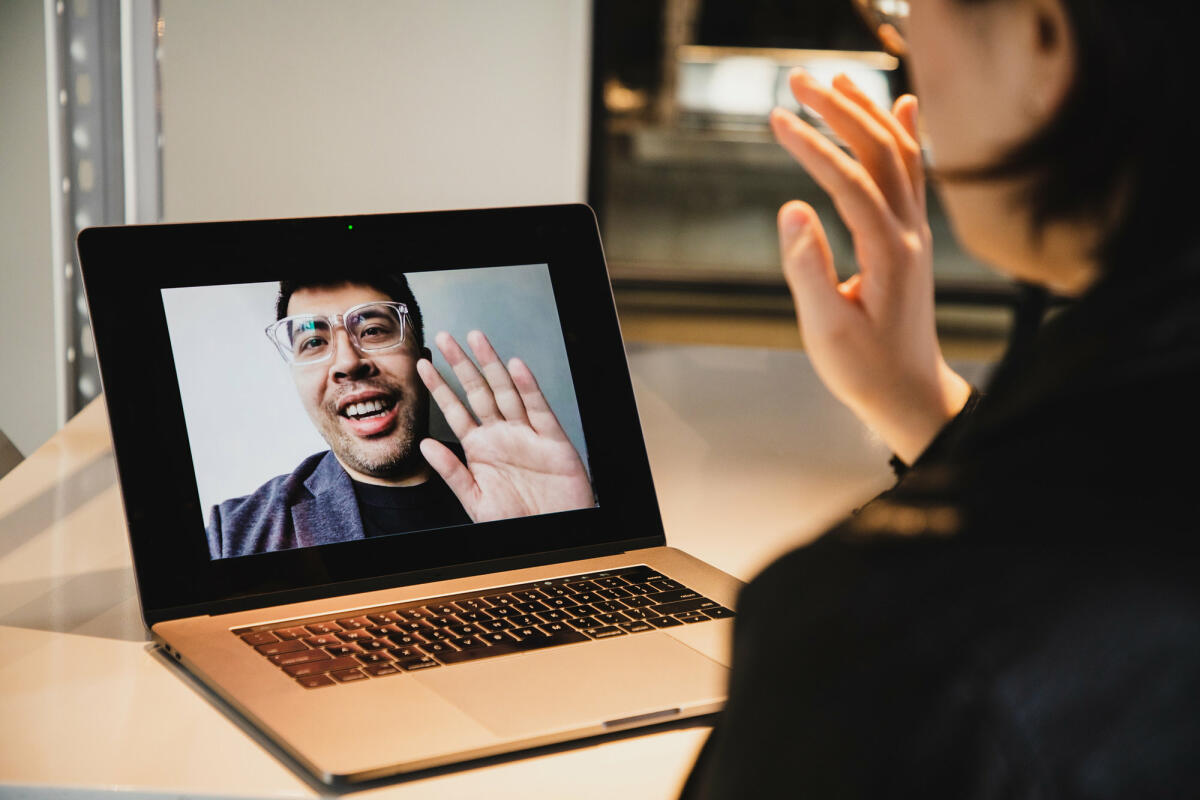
(125, 270)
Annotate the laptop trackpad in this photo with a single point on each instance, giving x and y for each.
(575, 685)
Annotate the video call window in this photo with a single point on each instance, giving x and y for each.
(377, 405)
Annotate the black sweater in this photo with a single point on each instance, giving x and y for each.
(1020, 615)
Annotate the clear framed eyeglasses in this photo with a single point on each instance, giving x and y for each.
(304, 339)
(888, 19)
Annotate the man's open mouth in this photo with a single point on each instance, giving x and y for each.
(370, 414)
(368, 408)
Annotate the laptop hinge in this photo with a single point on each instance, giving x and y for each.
(450, 572)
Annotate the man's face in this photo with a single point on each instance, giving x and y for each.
(371, 408)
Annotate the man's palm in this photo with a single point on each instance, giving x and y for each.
(519, 460)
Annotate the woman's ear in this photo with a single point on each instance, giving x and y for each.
(1051, 53)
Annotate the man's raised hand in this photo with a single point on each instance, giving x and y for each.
(519, 460)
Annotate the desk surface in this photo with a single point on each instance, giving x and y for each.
(751, 457)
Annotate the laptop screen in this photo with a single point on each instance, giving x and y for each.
(305, 407)
(309, 421)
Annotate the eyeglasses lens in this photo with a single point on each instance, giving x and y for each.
(887, 18)
(374, 327)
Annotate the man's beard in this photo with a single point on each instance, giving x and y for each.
(394, 456)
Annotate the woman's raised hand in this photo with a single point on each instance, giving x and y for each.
(871, 338)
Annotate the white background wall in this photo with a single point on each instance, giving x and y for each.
(307, 107)
(27, 377)
(296, 107)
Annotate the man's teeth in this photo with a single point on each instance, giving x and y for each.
(355, 410)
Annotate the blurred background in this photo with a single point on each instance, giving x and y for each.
(652, 111)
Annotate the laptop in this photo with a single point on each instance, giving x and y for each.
(392, 464)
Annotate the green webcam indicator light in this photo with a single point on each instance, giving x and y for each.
(349, 227)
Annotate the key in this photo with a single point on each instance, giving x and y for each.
(314, 681)
(299, 657)
(606, 632)
(640, 613)
(376, 644)
(498, 625)
(609, 605)
(436, 648)
(319, 628)
(261, 637)
(477, 604)
(582, 611)
(684, 606)
(317, 667)
(328, 640)
(379, 670)
(467, 643)
(347, 675)
(412, 664)
(373, 658)
(275, 648)
(291, 633)
(609, 583)
(673, 596)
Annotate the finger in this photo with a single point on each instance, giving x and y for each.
(507, 399)
(453, 472)
(456, 414)
(808, 268)
(479, 394)
(907, 113)
(541, 416)
(906, 140)
(870, 141)
(855, 195)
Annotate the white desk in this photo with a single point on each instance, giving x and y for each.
(750, 457)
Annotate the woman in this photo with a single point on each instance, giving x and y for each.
(1019, 616)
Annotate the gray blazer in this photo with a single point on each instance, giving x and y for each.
(313, 505)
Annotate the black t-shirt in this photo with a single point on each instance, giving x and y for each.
(399, 509)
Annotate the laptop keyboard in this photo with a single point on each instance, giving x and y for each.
(442, 631)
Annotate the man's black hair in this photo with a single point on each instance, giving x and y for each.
(1123, 144)
(394, 285)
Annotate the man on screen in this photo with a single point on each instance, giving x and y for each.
(357, 355)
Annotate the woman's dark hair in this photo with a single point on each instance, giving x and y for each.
(394, 285)
(1122, 151)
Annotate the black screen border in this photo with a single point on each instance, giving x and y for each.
(124, 270)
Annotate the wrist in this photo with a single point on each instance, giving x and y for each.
(910, 423)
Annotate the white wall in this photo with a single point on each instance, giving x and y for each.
(27, 356)
(306, 107)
